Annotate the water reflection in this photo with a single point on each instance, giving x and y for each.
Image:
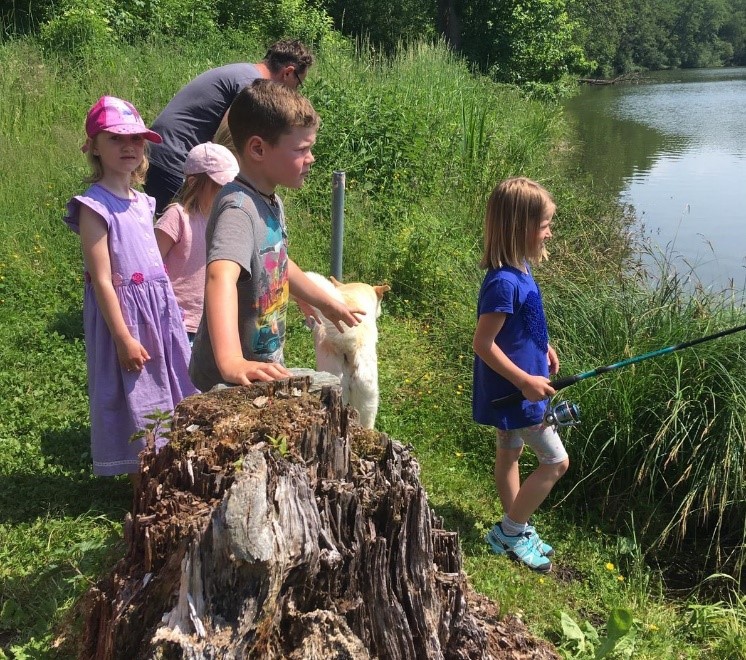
(675, 149)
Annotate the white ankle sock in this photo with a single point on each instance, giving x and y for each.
(511, 527)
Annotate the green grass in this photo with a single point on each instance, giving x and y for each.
(422, 141)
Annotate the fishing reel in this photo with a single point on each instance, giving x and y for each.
(562, 414)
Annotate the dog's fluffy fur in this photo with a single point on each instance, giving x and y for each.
(351, 355)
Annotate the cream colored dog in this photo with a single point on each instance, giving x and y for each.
(351, 354)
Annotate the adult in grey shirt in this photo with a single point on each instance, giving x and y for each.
(194, 114)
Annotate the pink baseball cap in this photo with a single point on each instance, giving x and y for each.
(116, 116)
(212, 159)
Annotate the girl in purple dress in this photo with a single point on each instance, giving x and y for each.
(137, 350)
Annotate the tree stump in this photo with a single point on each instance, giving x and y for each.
(273, 526)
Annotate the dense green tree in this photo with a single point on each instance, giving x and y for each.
(733, 32)
(600, 26)
(695, 32)
(519, 40)
(621, 35)
(384, 24)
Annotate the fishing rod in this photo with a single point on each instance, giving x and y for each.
(561, 383)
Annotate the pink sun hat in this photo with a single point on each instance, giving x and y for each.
(212, 159)
(116, 116)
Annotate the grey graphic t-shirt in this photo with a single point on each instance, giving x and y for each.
(250, 231)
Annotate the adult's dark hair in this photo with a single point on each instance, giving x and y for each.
(268, 109)
(288, 52)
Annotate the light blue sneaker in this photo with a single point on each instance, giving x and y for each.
(544, 548)
(494, 542)
(523, 548)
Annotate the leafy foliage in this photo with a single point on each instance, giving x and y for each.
(583, 641)
(533, 42)
(384, 25)
(302, 19)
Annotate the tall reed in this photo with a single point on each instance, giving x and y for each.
(664, 438)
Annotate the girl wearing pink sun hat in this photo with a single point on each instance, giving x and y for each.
(137, 351)
(180, 231)
(116, 116)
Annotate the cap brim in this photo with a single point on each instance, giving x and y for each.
(221, 178)
(129, 129)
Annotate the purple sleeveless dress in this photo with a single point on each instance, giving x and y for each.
(120, 400)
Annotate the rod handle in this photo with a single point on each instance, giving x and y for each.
(517, 397)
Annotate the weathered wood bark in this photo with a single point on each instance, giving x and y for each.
(272, 526)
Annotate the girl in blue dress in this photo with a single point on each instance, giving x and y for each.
(512, 353)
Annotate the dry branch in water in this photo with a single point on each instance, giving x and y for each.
(273, 526)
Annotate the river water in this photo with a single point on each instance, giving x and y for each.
(674, 147)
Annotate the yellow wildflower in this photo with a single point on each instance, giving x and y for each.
(609, 566)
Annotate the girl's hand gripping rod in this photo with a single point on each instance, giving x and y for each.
(561, 383)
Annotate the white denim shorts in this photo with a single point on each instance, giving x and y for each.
(543, 439)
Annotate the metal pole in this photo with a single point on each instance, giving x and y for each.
(338, 222)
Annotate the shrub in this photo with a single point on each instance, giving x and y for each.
(79, 26)
(270, 21)
(188, 18)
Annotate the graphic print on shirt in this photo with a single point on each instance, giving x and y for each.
(275, 292)
(536, 324)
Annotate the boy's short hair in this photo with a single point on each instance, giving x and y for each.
(288, 52)
(268, 110)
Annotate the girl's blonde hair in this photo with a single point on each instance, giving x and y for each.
(97, 168)
(515, 210)
(223, 136)
(193, 190)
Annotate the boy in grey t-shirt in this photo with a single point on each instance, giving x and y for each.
(250, 276)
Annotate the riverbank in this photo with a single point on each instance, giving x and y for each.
(423, 142)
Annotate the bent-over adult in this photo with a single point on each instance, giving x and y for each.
(194, 114)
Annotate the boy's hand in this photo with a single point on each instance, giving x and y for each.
(244, 372)
(536, 388)
(307, 310)
(339, 313)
